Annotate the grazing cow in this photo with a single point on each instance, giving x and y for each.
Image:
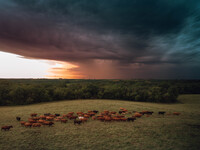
(47, 114)
(56, 119)
(131, 119)
(33, 115)
(149, 112)
(43, 117)
(161, 112)
(84, 120)
(113, 112)
(65, 115)
(63, 120)
(123, 119)
(18, 118)
(107, 119)
(72, 117)
(91, 114)
(22, 123)
(6, 128)
(77, 122)
(144, 112)
(80, 117)
(80, 113)
(36, 118)
(41, 121)
(137, 115)
(32, 121)
(27, 124)
(49, 118)
(101, 118)
(57, 114)
(70, 113)
(52, 116)
(86, 116)
(106, 111)
(176, 113)
(49, 123)
(120, 112)
(95, 111)
(36, 125)
(59, 117)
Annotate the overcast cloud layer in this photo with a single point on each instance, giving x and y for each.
(107, 38)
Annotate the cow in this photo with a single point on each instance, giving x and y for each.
(176, 113)
(77, 122)
(6, 128)
(18, 118)
(63, 120)
(131, 119)
(33, 115)
(161, 112)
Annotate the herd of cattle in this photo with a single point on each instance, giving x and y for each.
(78, 118)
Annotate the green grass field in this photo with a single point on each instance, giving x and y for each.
(155, 132)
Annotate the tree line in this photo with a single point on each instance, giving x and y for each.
(21, 92)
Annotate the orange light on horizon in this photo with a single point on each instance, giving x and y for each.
(64, 70)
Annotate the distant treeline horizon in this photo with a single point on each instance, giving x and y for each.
(29, 91)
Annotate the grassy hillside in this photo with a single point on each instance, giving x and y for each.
(155, 132)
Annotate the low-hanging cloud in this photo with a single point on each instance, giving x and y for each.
(107, 39)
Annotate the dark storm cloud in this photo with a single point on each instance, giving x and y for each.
(129, 35)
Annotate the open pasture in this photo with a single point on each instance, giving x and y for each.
(154, 132)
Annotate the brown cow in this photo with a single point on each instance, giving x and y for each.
(6, 128)
(32, 121)
(41, 121)
(33, 115)
(27, 124)
(49, 118)
(137, 115)
(43, 117)
(83, 119)
(176, 113)
(63, 120)
(49, 123)
(22, 123)
(72, 117)
(36, 125)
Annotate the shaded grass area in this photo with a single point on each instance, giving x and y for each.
(155, 132)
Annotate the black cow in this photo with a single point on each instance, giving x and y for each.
(18, 118)
(131, 119)
(77, 122)
(95, 111)
(161, 112)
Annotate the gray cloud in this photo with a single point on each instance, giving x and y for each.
(138, 36)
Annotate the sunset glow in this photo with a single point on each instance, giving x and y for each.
(63, 70)
(16, 66)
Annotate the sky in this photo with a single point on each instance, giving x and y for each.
(100, 39)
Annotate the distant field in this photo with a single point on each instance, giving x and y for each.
(155, 132)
